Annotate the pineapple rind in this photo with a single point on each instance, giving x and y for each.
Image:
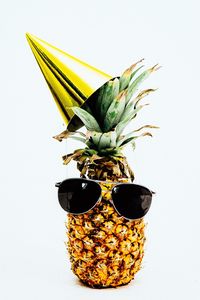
(105, 249)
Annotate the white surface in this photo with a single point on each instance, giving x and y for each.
(110, 35)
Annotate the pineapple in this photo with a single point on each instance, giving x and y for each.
(105, 249)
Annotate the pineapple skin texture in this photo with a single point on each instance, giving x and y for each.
(105, 250)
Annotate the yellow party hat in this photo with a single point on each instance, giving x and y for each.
(70, 80)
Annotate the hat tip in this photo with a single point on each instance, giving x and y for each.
(29, 36)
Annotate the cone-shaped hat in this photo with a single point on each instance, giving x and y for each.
(70, 80)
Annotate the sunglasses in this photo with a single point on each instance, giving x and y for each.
(78, 196)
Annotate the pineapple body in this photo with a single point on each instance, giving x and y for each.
(106, 250)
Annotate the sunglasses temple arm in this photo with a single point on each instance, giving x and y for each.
(57, 184)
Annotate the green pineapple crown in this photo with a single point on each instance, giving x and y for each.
(111, 109)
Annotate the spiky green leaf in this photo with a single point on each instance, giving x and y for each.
(135, 84)
(134, 73)
(130, 137)
(121, 126)
(128, 74)
(107, 140)
(94, 137)
(141, 95)
(87, 119)
(114, 112)
(113, 139)
(111, 89)
(127, 117)
(104, 141)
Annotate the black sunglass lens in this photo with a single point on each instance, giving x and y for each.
(78, 195)
(131, 201)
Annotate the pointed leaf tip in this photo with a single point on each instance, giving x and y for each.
(155, 68)
(135, 64)
(147, 134)
(146, 126)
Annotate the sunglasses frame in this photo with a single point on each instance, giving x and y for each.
(58, 184)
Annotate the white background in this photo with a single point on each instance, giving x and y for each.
(109, 35)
